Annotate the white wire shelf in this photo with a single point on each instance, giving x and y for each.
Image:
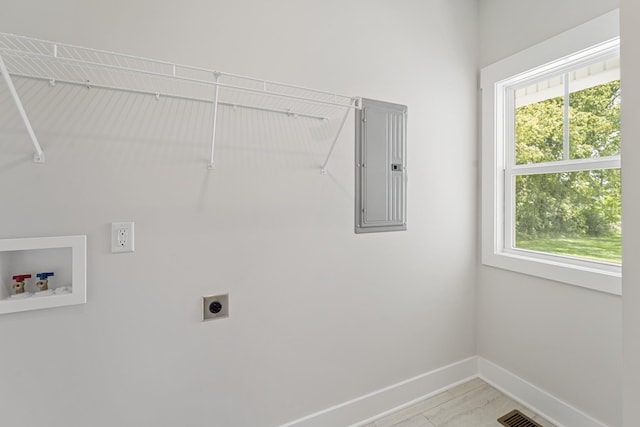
(59, 63)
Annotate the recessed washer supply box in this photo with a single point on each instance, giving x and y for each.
(65, 256)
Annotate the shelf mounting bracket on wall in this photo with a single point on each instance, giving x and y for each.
(216, 77)
(38, 157)
(335, 140)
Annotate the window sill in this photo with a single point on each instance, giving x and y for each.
(608, 280)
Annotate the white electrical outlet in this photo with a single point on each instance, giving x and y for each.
(122, 237)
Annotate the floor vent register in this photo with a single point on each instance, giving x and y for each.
(516, 418)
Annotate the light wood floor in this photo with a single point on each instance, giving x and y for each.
(472, 404)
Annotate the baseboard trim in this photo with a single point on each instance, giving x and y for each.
(548, 406)
(369, 407)
(364, 409)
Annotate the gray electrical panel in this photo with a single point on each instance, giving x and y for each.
(381, 172)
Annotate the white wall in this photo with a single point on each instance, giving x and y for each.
(564, 339)
(318, 314)
(508, 27)
(630, 12)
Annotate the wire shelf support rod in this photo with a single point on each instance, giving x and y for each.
(38, 157)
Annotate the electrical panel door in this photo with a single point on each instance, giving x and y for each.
(381, 172)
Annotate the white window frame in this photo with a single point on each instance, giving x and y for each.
(552, 55)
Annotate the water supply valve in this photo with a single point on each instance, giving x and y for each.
(43, 282)
(18, 286)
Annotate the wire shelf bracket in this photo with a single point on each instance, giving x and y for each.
(57, 63)
(335, 141)
(38, 156)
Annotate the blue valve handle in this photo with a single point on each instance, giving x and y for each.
(44, 276)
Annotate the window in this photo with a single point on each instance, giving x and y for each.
(551, 159)
(562, 169)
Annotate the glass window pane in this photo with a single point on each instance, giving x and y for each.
(572, 213)
(594, 113)
(539, 122)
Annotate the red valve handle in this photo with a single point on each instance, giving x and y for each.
(21, 277)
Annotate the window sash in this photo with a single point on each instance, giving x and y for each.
(577, 165)
(510, 170)
(505, 111)
(509, 231)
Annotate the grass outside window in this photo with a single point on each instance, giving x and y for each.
(603, 248)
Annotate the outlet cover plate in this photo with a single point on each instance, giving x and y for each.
(122, 237)
(207, 314)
